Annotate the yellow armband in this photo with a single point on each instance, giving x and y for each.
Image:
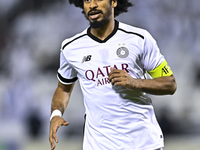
(162, 70)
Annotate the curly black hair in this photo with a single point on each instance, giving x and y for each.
(122, 5)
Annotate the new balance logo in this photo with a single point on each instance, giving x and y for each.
(86, 58)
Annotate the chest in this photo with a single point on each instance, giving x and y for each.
(103, 54)
(92, 61)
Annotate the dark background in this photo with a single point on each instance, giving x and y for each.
(31, 32)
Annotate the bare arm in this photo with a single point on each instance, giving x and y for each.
(158, 86)
(60, 102)
(61, 97)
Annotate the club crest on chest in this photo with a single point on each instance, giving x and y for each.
(122, 52)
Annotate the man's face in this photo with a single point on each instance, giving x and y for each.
(98, 12)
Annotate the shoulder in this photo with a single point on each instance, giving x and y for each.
(128, 29)
(76, 37)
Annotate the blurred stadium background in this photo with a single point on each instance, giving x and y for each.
(31, 32)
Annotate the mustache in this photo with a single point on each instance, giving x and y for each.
(94, 11)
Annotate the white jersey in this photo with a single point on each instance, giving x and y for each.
(116, 118)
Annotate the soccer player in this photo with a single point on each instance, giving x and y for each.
(116, 65)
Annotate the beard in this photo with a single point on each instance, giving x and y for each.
(97, 24)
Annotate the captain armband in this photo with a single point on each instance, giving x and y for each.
(162, 70)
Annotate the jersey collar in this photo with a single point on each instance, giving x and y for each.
(106, 39)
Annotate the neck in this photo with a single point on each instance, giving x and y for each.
(104, 31)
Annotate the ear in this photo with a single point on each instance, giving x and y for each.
(114, 3)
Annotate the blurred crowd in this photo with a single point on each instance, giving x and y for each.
(31, 32)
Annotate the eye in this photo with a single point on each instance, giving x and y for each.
(87, 1)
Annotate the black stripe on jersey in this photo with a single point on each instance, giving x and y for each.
(132, 33)
(73, 41)
(66, 80)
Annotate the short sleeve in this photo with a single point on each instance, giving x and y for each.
(66, 74)
(152, 57)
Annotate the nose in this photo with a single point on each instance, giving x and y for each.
(93, 4)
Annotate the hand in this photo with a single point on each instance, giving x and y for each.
(55, 123)
(122, 78)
